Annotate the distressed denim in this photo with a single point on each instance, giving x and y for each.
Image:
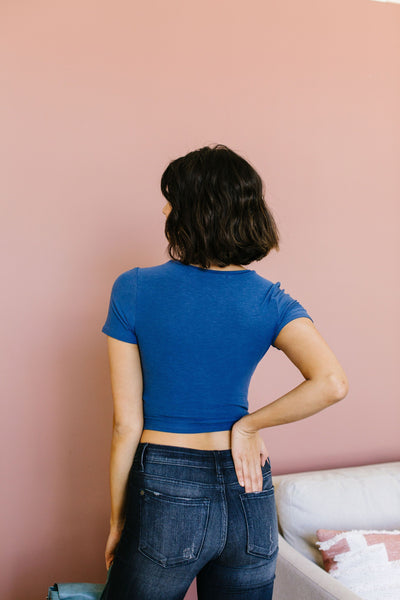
(188, 517)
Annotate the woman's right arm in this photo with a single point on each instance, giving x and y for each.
(325, 383)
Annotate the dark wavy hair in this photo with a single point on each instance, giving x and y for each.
(218, 212)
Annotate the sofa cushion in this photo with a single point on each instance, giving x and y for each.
(366, 561)
(365, 497)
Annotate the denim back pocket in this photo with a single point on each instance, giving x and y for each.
(172, 528)
(261, 522)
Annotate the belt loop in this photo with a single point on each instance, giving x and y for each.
(142, 455)
(218, 464)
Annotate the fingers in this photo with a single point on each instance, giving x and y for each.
(249, 475)
(264, 458)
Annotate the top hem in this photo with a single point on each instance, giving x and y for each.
(210, 426)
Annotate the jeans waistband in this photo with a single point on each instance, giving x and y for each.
(163, 453)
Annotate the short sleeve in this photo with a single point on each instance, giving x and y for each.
(120, 322)
(287, 309)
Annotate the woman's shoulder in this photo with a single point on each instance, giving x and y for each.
(132, 274)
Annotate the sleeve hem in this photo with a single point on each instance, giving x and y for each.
(286, 321)
(118, 336)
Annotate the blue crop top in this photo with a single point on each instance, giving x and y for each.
(201, 333)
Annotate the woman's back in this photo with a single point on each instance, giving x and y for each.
(201, 333)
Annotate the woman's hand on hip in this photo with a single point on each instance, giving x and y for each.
(249, 454)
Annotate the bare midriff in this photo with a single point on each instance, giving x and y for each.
(209, 440)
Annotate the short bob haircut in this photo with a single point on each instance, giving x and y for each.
(218, 213)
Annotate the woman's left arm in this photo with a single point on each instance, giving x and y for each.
(127, 389)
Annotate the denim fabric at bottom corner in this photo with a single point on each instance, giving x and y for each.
(188, 517)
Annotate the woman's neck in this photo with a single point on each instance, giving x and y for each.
(228, 268)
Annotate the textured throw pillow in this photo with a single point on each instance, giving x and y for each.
(365, 561)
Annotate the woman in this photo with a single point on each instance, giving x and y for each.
(190, 477)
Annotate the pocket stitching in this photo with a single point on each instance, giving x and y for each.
(174, 499)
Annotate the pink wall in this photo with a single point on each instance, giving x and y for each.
(97, 98)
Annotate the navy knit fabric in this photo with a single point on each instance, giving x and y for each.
(200, 334)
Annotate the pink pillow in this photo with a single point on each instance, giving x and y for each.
(366, 561)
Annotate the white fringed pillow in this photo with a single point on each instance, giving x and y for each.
(365, 561)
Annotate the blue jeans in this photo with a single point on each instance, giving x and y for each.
(188, 517)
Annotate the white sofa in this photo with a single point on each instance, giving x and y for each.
(365, 497)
